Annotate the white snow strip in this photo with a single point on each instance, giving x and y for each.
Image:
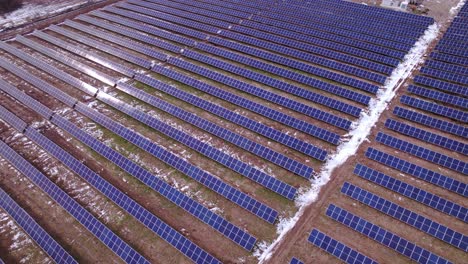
(358, 134)
(454, 10)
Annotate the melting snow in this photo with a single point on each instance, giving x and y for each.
(359, 133)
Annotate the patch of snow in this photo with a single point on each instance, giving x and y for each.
(358, 134)
(454, 10)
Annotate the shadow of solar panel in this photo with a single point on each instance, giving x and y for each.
(415, 220)
(383, 236)
(98, 229)
(338, 249)
(419, 195)
(34, 230)
(426, 136)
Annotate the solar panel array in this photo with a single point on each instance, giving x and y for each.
(33, 229)
(295, 261)
(338, 249)
(325, 58)
(383, 236)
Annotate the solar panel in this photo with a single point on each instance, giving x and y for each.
(219, 9)
(166, 190)
(67, 61)
(85, 218)
(367, 62)
(447, 67)
(305, 56)
(423, 153)
(450, 58)
(426, 136)
(419, 172)
(408, 217)
(429, 121)
(452, 50)
(460, 79)
(439, 96)
(261, 78)
(435, 108)
(291, 104)
(298, 65)
(132, 45)
(163, 230)
(100, 46)
(205, 149)
(338, 249)
(11, 119)
(92, 56)
(34, 230)
(419, 195)
(383, 236)
(292, 75)
(232, 116)
(441, 85)
(238, 140)
(295, 261)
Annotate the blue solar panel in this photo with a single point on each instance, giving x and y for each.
(298, 65)
(240, 141)
(384, 237)
(275, 98)
(441, 85)
(427, 136)
(34, 230)
(450, 58)
(418, 171)
(412, 192)
(132, 45)
(10, 118)
(158, 23)
(104, 234)
(435, 108)
(236, 118)
(439, 96)
(206, 149)
(451, 49)
(111, 81)
(447, 67)
(415, 220)
(423, 153)
(295, 261)
(155, 224)
(327, 52)
(106, 48)
(233, 232)
(338, 249)
(292, 75)
(460, 79)
(272, 82)
(305, 56)
(92, 56)
(429, 121)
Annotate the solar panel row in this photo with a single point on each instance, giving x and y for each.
(291, 104)
(240, 141)
(338, 249)
(429, 121)
(435, 108)
(423, 153)
(85, 218)
(426, 198)
(441, 85)
(272, 82)
(419, 172)
(230, 115)
(452, 77)
(439, 96)
(447, 67)
(166, 190)
(324, 86)
(295, 261)
(10, 118)
(92, 56)
(450, 58)
(33, 229)
(451, 49)
(152, 222)
(426, 136)
(415, 220)
(219, 9)
(383, 236)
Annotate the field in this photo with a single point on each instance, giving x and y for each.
(229, 124)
